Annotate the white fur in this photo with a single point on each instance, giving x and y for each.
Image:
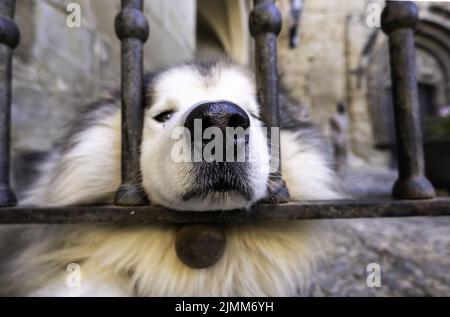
(261, 259)
(180, 89)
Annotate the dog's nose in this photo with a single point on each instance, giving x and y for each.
(221, 114)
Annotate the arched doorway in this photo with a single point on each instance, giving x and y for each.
(433, 77)
(432, 41)
(222, 29)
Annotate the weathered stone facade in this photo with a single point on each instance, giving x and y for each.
(341, 57)
(341, 49)
(322, 70)
(58, 69)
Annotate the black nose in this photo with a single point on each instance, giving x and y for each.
(221, 114)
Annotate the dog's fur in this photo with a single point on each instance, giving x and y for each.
(260, 258)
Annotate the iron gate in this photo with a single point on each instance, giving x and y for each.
(413, 194)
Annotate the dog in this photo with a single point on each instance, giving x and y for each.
(260, 259)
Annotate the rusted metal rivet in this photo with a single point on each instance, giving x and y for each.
(7, 197)
(264, 18)
(9, 32)
(413, 188)
(397, 15)
(131, 195)
(200, 245)
(131, 23)
(278, 192)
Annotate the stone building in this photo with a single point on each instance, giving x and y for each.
(341, 57)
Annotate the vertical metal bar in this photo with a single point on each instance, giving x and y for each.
(265, 25)
(9, 39)
(399, 20)
(132, 29)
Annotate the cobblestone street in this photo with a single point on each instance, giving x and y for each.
(413, 253)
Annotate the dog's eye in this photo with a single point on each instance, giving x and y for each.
(164, 116)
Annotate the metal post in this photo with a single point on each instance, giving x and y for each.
(9, 39)
(399, 20)
(265, 25)
(132, 29)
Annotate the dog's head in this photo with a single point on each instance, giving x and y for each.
(204, 146)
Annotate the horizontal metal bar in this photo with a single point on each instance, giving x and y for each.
(288, 211)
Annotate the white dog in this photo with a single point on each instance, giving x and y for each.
(260, 259)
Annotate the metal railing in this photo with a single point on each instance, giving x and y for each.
(200, 242)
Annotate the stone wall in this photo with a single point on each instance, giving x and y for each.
(329, 66)
(323, 69)
(58, 69)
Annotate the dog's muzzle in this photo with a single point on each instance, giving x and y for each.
(221, 114)
(223, 117)
(227, 171)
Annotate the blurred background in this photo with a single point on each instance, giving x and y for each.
(333, 59)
